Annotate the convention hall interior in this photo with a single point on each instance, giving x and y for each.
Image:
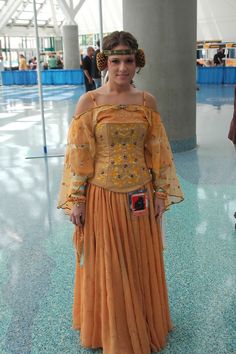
(196, 99)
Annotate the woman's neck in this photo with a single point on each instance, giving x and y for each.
(112, 88)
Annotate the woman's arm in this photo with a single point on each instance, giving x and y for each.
(77, 215)
(159, 201)
(79, 161)
(160, 161)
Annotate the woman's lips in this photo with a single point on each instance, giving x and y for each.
(122, 75)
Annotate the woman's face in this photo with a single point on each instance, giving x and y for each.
(121, 68)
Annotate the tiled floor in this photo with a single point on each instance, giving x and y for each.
(36, 253)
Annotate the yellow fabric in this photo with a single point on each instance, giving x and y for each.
(79, 160)
(22, 64)
(120, 296)
(113, 147)
(120, 135)
(159, 159)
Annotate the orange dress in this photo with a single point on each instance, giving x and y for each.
(120, 297)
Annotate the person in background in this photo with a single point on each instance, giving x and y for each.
(96, 74)
(87, 69)
(22, 62)
(1, 68)
(219, 57)
(81, 58)
(232, 130)
(59, 62)
(45, 65)
(52, 62)
(119, 177)
(33, 63)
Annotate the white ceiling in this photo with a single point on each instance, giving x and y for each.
(17, 18)
(216, 18)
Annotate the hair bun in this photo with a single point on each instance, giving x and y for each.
(140, 58)
(101, 61)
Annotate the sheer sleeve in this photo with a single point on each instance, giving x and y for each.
(79, 161)
(159, 160)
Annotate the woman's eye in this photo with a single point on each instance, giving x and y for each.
(115, 61)
(129, 61)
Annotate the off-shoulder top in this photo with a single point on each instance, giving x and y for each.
(120, 148)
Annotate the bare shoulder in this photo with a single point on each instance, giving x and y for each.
(150, 101)
(84, 104)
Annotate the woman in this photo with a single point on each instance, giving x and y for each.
(232, 129)
(119, 177)
(22, 63)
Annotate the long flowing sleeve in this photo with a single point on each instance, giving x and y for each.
(79, 161)
(159, 160)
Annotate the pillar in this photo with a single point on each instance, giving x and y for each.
(166, 30)
(71, 55)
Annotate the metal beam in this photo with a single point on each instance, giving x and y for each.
(18, 31)
(12, 5)
(54, 17)
(19, 12)
(7, 11)
(78, 7)
(40, 79)
(69, 13)
(38, 10)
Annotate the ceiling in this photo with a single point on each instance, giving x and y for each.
(17, 16)
(216, 19)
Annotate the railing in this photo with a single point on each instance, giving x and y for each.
(49, 77)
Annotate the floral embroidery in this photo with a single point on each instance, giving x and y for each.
(118, 153)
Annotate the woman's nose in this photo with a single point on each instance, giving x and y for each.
(122, 65)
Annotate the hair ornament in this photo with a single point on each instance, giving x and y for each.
(102, 57)
(101, 61)
(140, 58)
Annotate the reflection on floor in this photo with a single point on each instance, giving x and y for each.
(36, 254)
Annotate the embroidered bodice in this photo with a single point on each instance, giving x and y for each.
(119, 158)
(115, 147)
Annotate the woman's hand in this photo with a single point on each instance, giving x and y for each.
(77, 216)
(159, 205)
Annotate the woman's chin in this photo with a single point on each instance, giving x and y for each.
(123, 81)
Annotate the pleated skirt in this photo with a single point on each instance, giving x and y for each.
(120, 296)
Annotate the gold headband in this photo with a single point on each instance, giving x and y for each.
(107, 53)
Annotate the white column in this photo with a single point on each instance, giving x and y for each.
(71, 55)
(166, 30)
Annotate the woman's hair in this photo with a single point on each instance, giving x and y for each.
(114, 40)
(119, 38)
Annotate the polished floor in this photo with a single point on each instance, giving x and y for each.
(36, 253)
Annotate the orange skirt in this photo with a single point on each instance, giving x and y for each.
(120, 297)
